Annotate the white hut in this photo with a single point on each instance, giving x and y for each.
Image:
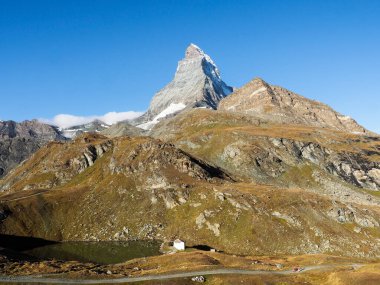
(179, 244)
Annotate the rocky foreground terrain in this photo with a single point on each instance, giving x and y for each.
(268, 172)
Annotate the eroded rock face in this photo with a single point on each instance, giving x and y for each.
(19, 140)
(374, 174)
(154, 156)
(349, 214)
(14, 151)
(277, 104)
(271, 157)
(28, 129)
(89, 156)
(353, 168)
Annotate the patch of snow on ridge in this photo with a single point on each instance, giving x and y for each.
(258, 91)
(344, 118)
(172, 108)
(70, 133)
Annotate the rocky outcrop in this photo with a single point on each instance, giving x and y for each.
(49, 166)
(272, 156)
(351, 167)
(154, 156)
(279, 105)
(357, 170)
(89, 156)
(350, 214)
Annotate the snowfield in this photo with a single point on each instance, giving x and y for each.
(173, 108)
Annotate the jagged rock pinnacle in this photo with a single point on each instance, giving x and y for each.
(193, 51)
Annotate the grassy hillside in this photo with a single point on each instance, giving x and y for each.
(227, 181)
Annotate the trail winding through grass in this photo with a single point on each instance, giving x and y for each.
(221, 271)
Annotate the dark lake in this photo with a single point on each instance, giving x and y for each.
(103, 252)
(98, 252)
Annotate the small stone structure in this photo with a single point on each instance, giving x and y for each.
(179, 244)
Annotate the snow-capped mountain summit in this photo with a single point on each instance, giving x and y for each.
(196, 83)
(95, 126)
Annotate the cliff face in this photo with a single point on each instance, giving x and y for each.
(19, 140)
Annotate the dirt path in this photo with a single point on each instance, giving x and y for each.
(11, 199)
(222, 271)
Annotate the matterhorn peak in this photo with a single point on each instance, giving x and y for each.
(194, 51)
(196, 83)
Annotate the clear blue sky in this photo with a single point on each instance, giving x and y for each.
(91, 57)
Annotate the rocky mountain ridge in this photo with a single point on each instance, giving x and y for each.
(28, 129)
(19, 140)
(95, 126)
(277, 104)
(123, 129)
